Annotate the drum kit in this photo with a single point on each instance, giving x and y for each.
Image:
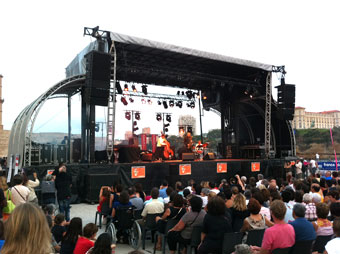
(200, 150)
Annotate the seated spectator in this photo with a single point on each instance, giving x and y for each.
(213, 187)
(215, 224)
(134, 200)
(310, 207)
(174, 212)
(103, 245)
(55, 246)
(258, 195)
(238, 212)
(27, 231)
(333, 245)
(162, 189)
(190, 186)
(139, 191)
(286, 197)
(2, 234)
(335, 210)
(298, 196)
(304, 230)
(123, 201)
(186, 193)
(255, 220)
(154, 206)
(59, 230)
(279, 236)
(169, 190)
(104, 200)
(86, 241)
(204, 196)
(115, 193)
(19, 192)
(332, 196)
(74, 230)
(181, 233)
(322, 225)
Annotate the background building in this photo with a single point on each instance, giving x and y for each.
(188, 123)
(4, 134)
(315, 120)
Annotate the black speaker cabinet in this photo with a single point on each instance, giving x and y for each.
(94, 182)
(147, 157)
(209, 156)
(188, 156)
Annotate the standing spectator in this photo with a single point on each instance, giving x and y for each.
(48, 190)
(63, 183)
(19, 192)
(32, 197)
(298, 168)
(286, 197)
(162, 189)
(304, 230)
(74, 230)
(279, 236)
(27, 231)
(104, 201)
(86, 241)
(239, 212)
(332, 247)
(310, 207)
(181, 233)
(215, 225)
(322, 225)
(313, 166)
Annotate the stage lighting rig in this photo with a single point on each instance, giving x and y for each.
(137, 116)
(189, 94)
(124, 101)
(143, 101)
(145, 89)
(119, 88)
(128, 115)
(159, 102)
(126, 88)
(179, 104)
(165, 105)
(134, 88)
(149, 101)
(171, 103)
(131, 100)
(159, 117)
(168, 118)
(166, 125)
(192, 104)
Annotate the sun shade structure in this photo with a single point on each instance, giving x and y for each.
(238, 90)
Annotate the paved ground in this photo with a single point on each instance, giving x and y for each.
(87, 213)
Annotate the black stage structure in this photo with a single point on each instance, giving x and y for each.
(256, 131)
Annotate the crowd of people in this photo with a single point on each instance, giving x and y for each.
(290, 211)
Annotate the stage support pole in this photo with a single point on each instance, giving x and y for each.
(200, 111)
(222, 106)
(92, 133)
(83, 151)
(68, 153)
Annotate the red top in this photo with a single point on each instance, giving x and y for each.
(83, 245)
(99, 207)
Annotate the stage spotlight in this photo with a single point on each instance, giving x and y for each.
(159, 117)
(189, 129)
(192, 104)
(145, 89)
(171, 103)
(126, 88)
(128, 115)
(123, 100)
(178, 93)
(137, 116)
(168, 118)
(189, 94)
(119, 88)
(135, 129)
(149, 102)
(134, 123)
(143, 101)
(165, 105)
(166, 125)
(166, 130)
(134, 88)
(181, 131)
(179, 104)
(131, 100)
(182, 92)
(204, 97)
(159, 102)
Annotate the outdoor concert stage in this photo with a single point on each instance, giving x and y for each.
(88, 178)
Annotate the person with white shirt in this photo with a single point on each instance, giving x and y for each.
(332, 247)
(298, 168)
(19, 192)
(259, 178)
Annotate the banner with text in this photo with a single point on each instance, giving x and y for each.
(222, 167)
(184, 169)
(154, 142)
(143, 141)
(138, 172)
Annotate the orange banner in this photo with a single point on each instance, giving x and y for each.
(222, 167)
(255, 166)
(138, 172)
(184, 169)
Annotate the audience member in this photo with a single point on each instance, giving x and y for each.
(204, 196)
(74, 230)
(256, 220)
(286, 197)
(162, 189)
(86, 242)
(103, 245)
(238, 212)
(134, 200)
(215, 225)
(181, 233)
(19, 192)
(27, 231)
(154, 206)
(32, 197)
(322, 225)
(58, 230)
(310, 207)
(2, 234)
(259, 197)
(123, 201)
(303, 228)
(332, 247)
(169, 190)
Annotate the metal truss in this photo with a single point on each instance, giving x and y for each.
(268, 114)
(292, 137)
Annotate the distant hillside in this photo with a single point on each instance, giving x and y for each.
(312, 141)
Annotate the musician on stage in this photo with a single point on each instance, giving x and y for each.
(163, 150)
(188, 142)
